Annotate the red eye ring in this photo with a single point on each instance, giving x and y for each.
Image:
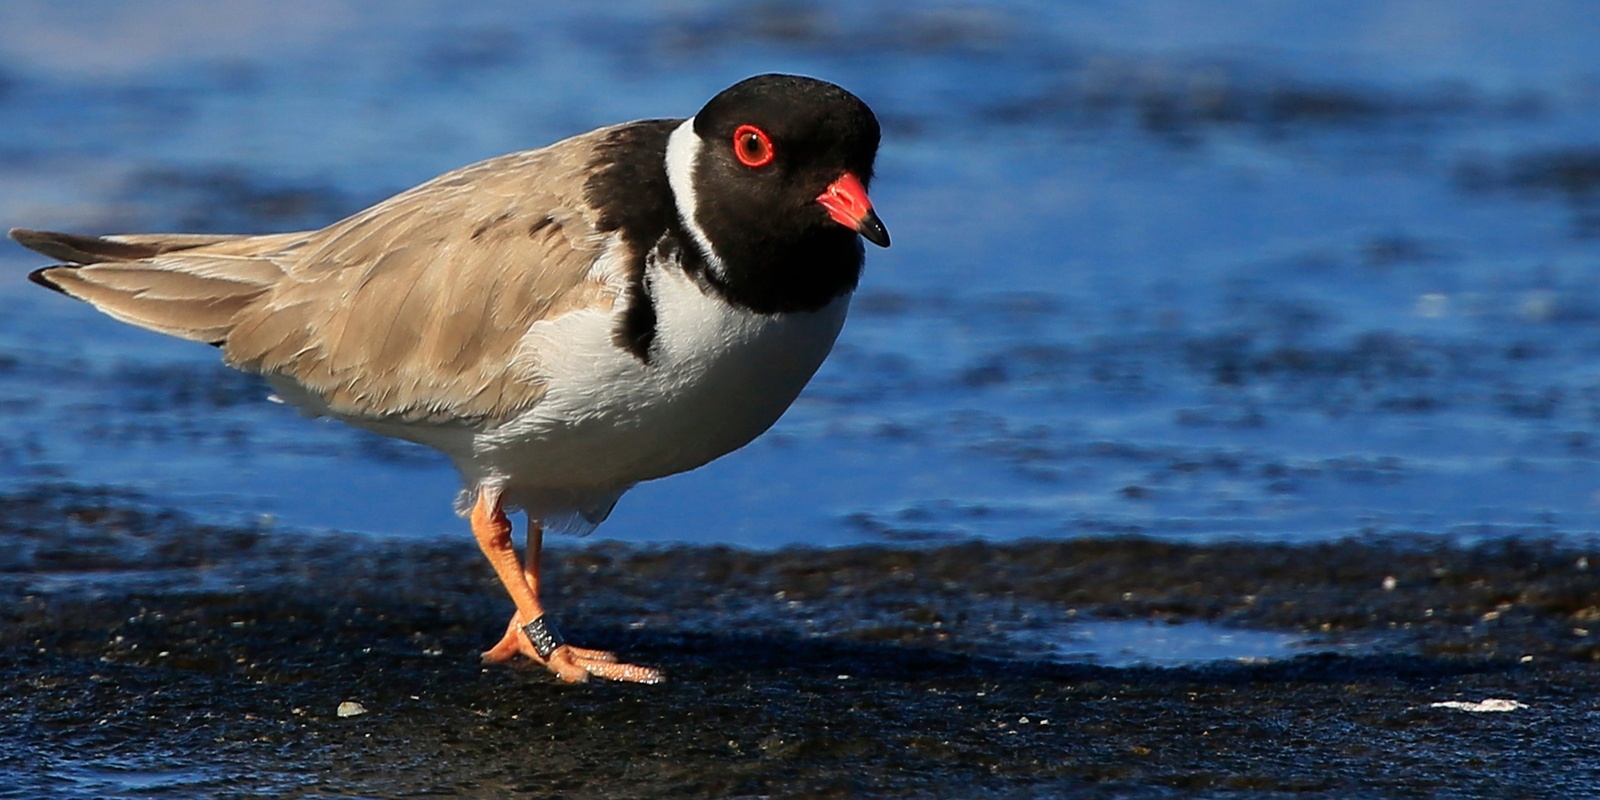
(752, 146)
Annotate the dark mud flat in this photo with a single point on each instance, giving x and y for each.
(143, 654)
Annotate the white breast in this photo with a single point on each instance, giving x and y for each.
(718, 377)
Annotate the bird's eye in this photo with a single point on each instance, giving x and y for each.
(752, 147)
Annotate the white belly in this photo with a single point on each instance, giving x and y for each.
(718, 378)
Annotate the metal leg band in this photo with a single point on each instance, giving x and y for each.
(544, 636)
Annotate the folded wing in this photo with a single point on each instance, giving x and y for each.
(414, 310)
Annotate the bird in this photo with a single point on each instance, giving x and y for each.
(562, 323)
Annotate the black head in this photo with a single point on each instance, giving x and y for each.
(780, 189)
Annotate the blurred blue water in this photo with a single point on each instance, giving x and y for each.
(1289, 271)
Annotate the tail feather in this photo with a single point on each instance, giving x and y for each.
(75, 249)
(201, 312)
(188, 286)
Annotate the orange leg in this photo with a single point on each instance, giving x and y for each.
(493, 531)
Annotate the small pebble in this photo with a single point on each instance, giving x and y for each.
(350, 708)
(1489, 705)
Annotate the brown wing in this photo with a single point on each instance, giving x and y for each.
(183, 285)
(412, 310)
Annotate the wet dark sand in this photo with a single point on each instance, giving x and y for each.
(146, 655)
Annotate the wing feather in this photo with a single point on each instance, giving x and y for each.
(414, 310)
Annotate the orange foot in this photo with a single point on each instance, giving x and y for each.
(571, 664)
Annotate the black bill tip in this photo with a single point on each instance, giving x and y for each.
(871, 228)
